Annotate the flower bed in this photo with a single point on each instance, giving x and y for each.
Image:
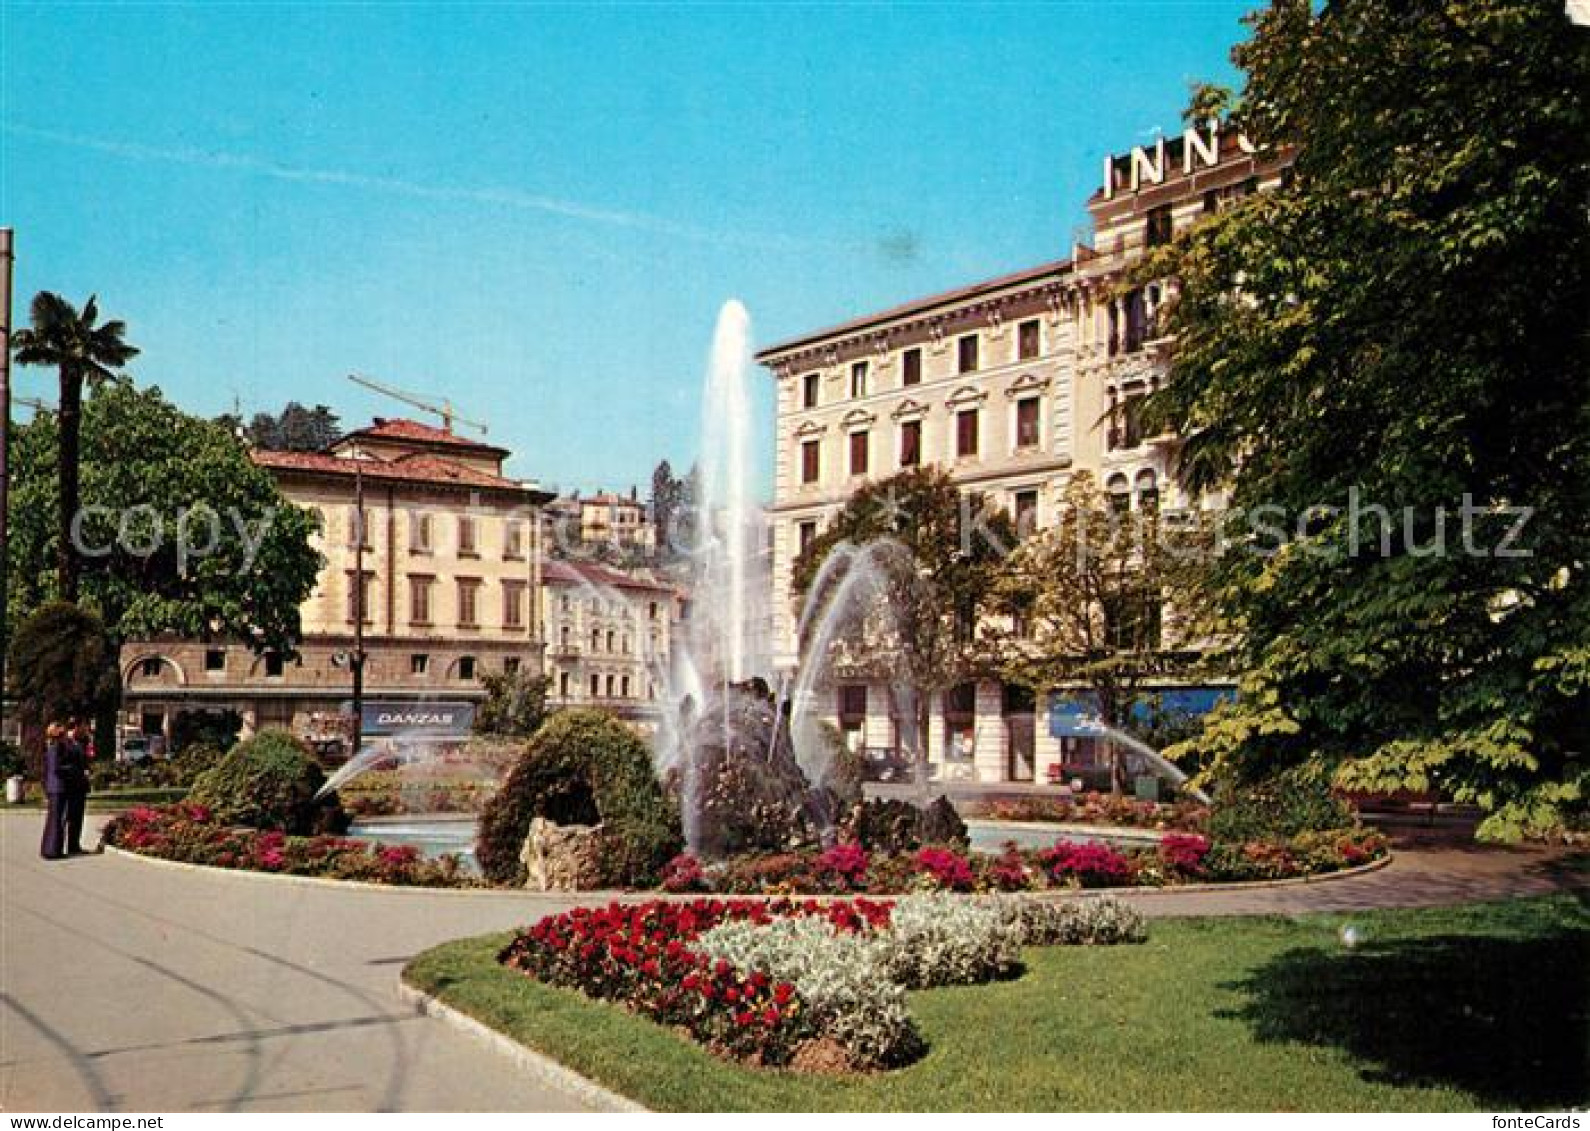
(803, 984)
(189, 833)
(1179, 858)
(386, 793)
(1094, 809)
(639, 956)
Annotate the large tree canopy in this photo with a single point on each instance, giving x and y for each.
(1402, 325)
(180, 531)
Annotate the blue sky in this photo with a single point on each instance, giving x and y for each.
(537, 210)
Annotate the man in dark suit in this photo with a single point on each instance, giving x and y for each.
(58, 781)
(80, 740)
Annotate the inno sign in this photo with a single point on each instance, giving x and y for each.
(1147, 165)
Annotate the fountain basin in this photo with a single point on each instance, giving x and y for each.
(444, 833)
(440, 834)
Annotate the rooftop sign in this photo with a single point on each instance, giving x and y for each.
(1200, 149)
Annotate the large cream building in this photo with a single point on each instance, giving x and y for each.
(451, 574)
(1012, 385)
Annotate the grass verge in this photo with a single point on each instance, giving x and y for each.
(108, 801)
(1480, 1007)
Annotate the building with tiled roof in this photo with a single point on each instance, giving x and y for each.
(450, 571)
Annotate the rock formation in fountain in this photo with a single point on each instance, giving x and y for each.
(724, 740)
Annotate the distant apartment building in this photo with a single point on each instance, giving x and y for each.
(450, 573)
(620, 523)
(1012, 385)
(608, 636)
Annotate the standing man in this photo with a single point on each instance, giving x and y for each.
(81, 743)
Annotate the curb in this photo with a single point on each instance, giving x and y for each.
(536, 1064)
(1237, 886)
(349, 885)
(610, 894)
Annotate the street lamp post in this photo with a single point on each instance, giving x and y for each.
(356, 661)
(6, 237)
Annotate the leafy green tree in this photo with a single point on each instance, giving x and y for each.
(295, 429)
(1207, 101)
(83, 350)
(182, 532)
(515, 704)
(1086, 602)
(919, 630)
(1403, 323)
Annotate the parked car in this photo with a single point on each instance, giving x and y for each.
(139, 747)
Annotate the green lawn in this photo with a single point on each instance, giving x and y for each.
(1477, 1007)
(110, 800)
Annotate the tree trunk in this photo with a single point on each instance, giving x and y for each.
(70, 423)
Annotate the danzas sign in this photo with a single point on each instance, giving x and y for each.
(432, 719)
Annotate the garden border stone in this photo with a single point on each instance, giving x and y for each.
(549, 1071)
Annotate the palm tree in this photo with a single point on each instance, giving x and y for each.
(82, 352)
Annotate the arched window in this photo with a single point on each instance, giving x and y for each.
(1147, 492)
(1120, 492)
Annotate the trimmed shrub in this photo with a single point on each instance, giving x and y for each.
(942, 940)
(1089, 922)
(269, 782)
(842, 976)
(583, 768)
(179, 771)
(1293, 801)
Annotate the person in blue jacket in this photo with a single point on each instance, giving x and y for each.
(60, 779)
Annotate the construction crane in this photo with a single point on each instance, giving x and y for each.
(34, 403)
(445, 410)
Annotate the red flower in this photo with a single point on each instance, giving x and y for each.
(949, 869)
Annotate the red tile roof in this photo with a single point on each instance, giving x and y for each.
(412, 431)
(419, 467)
(564, 572)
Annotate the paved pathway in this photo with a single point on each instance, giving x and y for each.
(128, 986)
